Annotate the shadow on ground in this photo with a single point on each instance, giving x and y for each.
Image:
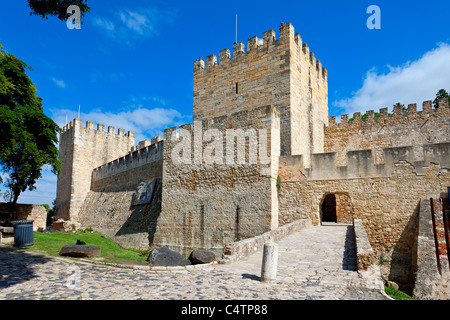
(17, 266)
(251, 277)
(349, 261)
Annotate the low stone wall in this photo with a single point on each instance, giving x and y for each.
(364, 252)
(36, 212)
(238, 250)
(368, 268)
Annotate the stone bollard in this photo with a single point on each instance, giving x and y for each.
(269, 262)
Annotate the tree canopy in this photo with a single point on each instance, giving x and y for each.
(28, 138)
(56, 8)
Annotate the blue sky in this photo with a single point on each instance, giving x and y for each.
(130, 65)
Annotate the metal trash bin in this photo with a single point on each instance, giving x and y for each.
(23, 233)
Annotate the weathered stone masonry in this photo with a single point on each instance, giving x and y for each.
(404, 127)
(109, 204)
(210, 205)
(35, 212)
(384, 196)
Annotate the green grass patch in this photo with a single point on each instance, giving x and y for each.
(52, 242)
(396, 294)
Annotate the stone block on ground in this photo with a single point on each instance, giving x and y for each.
(393, 284)
(58, 226)
(200, 256)
(79, 251)
(164, 257)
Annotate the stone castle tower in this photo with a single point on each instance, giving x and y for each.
(279, 72)
(81, 149)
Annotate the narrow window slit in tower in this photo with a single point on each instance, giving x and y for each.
(202, 225)
(237, 88)
(237, 223)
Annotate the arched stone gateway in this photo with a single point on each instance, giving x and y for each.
(337, 208)
(328, 209)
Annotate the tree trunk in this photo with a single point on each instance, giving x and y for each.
(12, 208)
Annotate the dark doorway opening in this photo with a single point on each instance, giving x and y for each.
(329, 208)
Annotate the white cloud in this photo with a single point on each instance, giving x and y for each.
(413, 82)
(128, 25)
(45, 191)
(106, 25)
(59, 83)
(137, 22)
(145, 122)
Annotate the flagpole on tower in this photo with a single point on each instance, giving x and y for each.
(236, 27)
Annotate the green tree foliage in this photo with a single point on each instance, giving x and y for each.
(440, 95)
(28, 137)
(50, 213)
(58, 8)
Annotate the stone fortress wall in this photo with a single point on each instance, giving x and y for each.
(208, 204)
(110, 206)
(377, 169)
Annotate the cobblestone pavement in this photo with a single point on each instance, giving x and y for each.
(313, 264)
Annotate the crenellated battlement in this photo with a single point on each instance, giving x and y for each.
(383, 117)
(78, 123)
(256, 46)
(361, 163)
(242, 139)
(137, 158)
(81, 149)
